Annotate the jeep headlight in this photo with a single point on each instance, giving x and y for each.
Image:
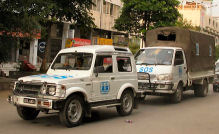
(164, 77)
(48, 89)
(51, 90)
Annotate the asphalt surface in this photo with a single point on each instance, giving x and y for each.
(154, 116)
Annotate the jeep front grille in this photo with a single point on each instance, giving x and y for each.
(27, 89)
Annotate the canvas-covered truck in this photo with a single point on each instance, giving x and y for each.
(78, 80)
(175, 60)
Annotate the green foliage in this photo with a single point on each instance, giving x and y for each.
(33, 16)
(138, 16)
(21, 16)
(134, 44)
(30, 16)
(134, 47)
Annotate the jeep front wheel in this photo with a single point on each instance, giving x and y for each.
(127, 103)
(27, 113)
(72, 113)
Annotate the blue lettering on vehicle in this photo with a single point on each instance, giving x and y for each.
(52, 76)
(104, 87)
(180, 71)
(146, 69)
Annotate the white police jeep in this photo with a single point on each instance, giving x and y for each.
(79, 79)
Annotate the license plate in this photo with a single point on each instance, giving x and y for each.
(29, 101)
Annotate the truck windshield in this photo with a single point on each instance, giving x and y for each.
(155, 56)
(73, 61)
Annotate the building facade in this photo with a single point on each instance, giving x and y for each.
(199, 14)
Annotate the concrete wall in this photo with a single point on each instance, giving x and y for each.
(105, 13)
(192, 15)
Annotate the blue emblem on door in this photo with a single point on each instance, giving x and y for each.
(180, 71)
(104, 87)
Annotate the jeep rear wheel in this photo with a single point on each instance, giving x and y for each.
(27, 113)
(127, 103)
(73, 112)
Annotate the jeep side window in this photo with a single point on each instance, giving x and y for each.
(124, 64)
(178, 58)
(104, 63)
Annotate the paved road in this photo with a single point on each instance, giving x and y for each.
(155, 116)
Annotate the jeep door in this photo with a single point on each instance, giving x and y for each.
(102, 83)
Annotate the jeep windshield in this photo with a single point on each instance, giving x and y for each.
(154, 56)
(73, 61)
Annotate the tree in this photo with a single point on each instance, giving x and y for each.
(75, 11)
(31, 16)
(138, 16)
(18, 18)
(21, 16)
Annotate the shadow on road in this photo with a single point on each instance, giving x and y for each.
(165, 100)
(51, 120)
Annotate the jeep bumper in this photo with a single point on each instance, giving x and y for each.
(38, 103)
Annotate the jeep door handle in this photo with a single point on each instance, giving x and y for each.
(88, 84)
(112, 78)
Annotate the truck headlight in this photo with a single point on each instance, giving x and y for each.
(52, 90)
(164, 77)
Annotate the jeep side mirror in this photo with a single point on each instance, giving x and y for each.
(98, 69)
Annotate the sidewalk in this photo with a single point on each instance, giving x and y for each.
(5, 83)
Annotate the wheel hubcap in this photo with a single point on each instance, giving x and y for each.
(127, 102)
(74, 111)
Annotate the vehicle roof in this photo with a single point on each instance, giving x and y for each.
(174, 48)
(96, 49)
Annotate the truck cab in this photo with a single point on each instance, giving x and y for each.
(161, 70)
(175, 60)
(78, 80)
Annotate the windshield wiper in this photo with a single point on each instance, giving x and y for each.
(145, 64)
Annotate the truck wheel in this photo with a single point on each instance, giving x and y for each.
(215, 88)
(72, 113)
(27, 113)
(201, 90)
(177, 96)
(127, 103)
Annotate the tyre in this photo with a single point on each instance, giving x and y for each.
(178, 95)
(127, 103)
(215, 88)
(201, 90)
(72, 113)
(27, 113)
